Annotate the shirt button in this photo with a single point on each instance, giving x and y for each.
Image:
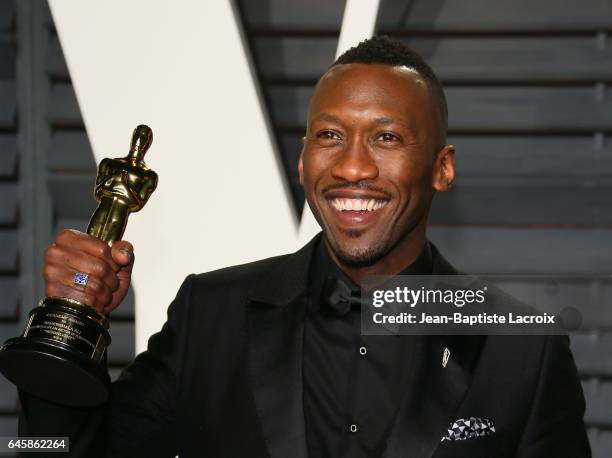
(363, 351)
(354, 428)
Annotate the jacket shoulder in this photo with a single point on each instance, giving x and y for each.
(242, 276)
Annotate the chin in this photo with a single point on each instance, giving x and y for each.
(359, 254)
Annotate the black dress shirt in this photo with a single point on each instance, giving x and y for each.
(353, 384)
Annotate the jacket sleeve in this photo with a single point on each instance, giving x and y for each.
(139, 419)
(555, 426)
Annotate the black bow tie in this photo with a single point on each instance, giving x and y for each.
(337, 297)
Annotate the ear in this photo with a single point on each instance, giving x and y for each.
(444, 169)
(301, 164)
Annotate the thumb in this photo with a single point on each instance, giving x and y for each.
(122, 253)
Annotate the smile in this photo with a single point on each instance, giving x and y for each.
(357, 205)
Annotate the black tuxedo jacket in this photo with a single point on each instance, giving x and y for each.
(223, 378)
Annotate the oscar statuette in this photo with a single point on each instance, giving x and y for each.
(61, 355)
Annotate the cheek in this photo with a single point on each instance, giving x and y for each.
(399, 170)
(410, 178)
(314, 168)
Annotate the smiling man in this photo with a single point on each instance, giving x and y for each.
(374, 155)
(267, 359)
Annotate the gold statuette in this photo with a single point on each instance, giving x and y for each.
(123, 186)
(60, 355)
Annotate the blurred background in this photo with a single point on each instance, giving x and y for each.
(530, 107)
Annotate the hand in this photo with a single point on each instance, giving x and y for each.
(109, 270)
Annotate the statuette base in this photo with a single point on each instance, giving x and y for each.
(60, 355)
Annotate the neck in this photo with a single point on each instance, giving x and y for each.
(404, 253)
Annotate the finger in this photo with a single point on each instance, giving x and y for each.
(83, 262)
(109, 308)
(79, 241)
(122, 252)
(94, 289)
(95, 268)
(84, 295)
(125, 278)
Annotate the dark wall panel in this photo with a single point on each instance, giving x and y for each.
(9, 251)
(589, 293)
(507, 108)
(457, 59)
(507, 250)
(9, 298)
(55, 65)
(8, 107)
(295, 15)
(63, 106)
(8, 204)
(8, 396)
(70, 152)
(599, 396)
(502, 16)
(519, 201)
(7, 15)
(294, 58)
(8, 156)
(590, 352)
(72, 195)
(562, 155)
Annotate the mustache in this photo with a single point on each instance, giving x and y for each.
(360, 185)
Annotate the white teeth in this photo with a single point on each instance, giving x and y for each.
(357, 204)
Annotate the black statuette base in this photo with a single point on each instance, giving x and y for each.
(60, 356)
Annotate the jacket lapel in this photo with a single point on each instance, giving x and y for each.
(434, 392)
(276, 327)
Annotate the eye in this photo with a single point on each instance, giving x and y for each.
(328, 138)
(388, 138)
(328, 135)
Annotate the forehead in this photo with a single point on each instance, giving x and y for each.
(381, 89)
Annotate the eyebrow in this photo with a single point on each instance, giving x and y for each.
(331, 118)
(384, 121)
(327, 117)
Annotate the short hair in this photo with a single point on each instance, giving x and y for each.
(384, 50)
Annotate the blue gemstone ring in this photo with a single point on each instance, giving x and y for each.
(80, 279)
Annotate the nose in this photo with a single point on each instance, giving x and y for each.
(355, 164)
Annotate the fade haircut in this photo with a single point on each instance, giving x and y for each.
(384, 50)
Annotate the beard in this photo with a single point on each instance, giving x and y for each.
(365, 256)
(361, 256)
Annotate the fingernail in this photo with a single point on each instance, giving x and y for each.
(127, 253)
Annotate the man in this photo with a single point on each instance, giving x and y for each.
(259, 360)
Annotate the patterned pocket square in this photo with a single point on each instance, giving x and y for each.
(468, 428)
